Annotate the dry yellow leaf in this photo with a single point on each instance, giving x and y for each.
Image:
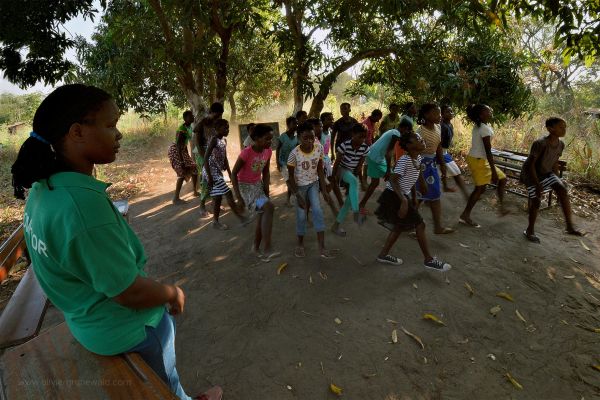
(323, 275)
(520, 316)
(391, 321)
(505, 296)
(433, 318)
(335, 389)
(597, 367)
(584, 246)
(415, 337)
(514, 381)
(463, 245)
(470, 289)
(310, 279)
(337, 321)
(495, 310)
(281, 268)
(569, 276)
(394, 336)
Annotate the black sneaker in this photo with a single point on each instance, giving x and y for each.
(389, 259)
(437, 265)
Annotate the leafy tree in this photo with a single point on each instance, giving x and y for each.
(32, 45)
(19, 108)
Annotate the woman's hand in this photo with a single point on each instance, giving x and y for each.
(176, 304)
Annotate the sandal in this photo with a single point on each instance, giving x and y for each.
(214, 393)
(220, 226)
(574, 232)
(299, 252)
(339, 231)
(204, 214)
(364, 211)
(271, 254)
(469, 222)
(532, 238)
(445, 231)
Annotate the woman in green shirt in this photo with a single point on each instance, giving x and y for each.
(93, 269)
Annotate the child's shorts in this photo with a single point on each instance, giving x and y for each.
(387, 213)
(375, 169)
(547, 181)
(254, 196)
(481, 171)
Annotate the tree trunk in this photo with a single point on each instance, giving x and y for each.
(233, 107)
(317, 104)
(221, 76)
(197, 104)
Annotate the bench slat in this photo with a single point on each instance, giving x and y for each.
(10, 251)
(23, 315)
(55, 366)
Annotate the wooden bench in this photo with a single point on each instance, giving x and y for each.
(54, 365)
(511, 163)
(22, 317)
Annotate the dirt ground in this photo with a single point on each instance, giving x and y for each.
(266, 336)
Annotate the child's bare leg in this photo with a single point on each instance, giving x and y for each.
(500, 191)
(258, 232)
(460, 182)
(436, 212)
(473, 199)
(321, 241)
(565, 204)
(266, 224)
(370, 190)
(234, 206)
(217, 207)
(534, 206)
(178, 186)
(446, 187)
(195, 185)
(389, 242)
(422, 238)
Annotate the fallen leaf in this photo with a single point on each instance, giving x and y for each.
(358, 261)
(514, 381)
(463, 245)
(574, 260)
(433, 318)
(391, 321)
(323, 275)
(322, 369)
(289, 387)
(310, 280)
(340, 357)
(470, 289)
(564, 322)
(394, 336)
(491, 357)
(338, 321)
(464, 341)
(505, 296)
(596, 367)
(368, 376)
(281, 268)
(520, 316)
(335, 389)
(569, 276)
(415, 286)
(415, 337)
(495, 310)
(584, 246)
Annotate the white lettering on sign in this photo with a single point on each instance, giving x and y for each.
(38, 244)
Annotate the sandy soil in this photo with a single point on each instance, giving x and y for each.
(266, 336)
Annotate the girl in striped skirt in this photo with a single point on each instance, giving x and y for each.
(215, 162)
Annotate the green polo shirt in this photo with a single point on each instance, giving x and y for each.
(84, 254)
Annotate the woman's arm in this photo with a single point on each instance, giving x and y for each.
(205, 167)
(234, 178)
(487, 144)
(439, 155)
(148, 293)
(266, 178)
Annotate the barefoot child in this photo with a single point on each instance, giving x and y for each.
(397, 209)
(203, 132)
(251, 179)
(93, 271)
(350, 157)
(481, 162)
(287, 141)
(452, 170)
(429, 119)
(305, 166)
(539, 174)
(370, 122)
(215, 162)
(182, 163)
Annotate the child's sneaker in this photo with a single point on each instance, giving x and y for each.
(389, 259)
(437, 265)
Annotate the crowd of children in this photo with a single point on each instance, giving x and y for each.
(119, 309)
(409, 149)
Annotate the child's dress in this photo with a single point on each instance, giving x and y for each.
(216, 165)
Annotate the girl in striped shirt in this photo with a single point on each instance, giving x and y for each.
(348, 162)
(397, 209)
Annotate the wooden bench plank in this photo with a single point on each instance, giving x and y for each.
(23, 315)
(10, 251)
(55, 366)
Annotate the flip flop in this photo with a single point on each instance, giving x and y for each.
(574, 232)
(271, 254)
(326, 254)
(299, 252)
(445, 231)
(531, 238)
(339, 231)
(364, 211)
(204, 214)
(470, 223)
(220, 226)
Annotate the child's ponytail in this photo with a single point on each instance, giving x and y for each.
(39, 157)
(474, 113)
